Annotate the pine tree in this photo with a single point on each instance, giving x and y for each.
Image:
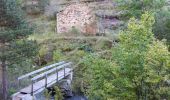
(14, 45)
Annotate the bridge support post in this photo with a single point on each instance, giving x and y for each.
(18, 84)
(45, 80)
(32, 87)
(64, 72)
(57, 77)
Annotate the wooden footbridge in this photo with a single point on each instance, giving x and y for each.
(42, 79)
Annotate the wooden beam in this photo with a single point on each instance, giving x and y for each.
(41, 69)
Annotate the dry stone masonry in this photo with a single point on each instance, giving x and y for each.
(77, 15)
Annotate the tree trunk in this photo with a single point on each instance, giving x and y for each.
(4, 80)
(0, 75)
(138, 92)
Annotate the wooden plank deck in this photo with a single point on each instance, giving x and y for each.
(40, 85)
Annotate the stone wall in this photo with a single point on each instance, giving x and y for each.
(76, 15)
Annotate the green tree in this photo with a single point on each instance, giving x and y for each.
(143, 62)
(160, 8)
(139, 68)
(14, 46)
(98, 75)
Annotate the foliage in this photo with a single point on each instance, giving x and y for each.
(17, 69)
(86, 47)
(103, 44)
(43, 50)
(13, 33)
(139, 75)
(47, 94)
(139, 68)
(19, 1)
(55, 91)
(13, 26)
(97, 78)
(159, 7)
(58, 94)
(14, 47)
(67, 47)
(57, 55)
(162, 25)
(12, 91)
(138, 7)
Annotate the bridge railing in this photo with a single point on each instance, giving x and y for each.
(40, 70)
(25, 80)
(44, 75)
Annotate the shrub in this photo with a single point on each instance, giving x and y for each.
(57, 55)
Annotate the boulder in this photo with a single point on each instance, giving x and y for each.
(65, 87)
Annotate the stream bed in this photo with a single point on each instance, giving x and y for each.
(76, 97)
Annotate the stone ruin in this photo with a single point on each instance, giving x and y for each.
(78, 16)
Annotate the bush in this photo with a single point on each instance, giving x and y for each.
(57, 55)
(43, 51)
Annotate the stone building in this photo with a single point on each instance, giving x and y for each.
(96, 17)
(79, 16)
